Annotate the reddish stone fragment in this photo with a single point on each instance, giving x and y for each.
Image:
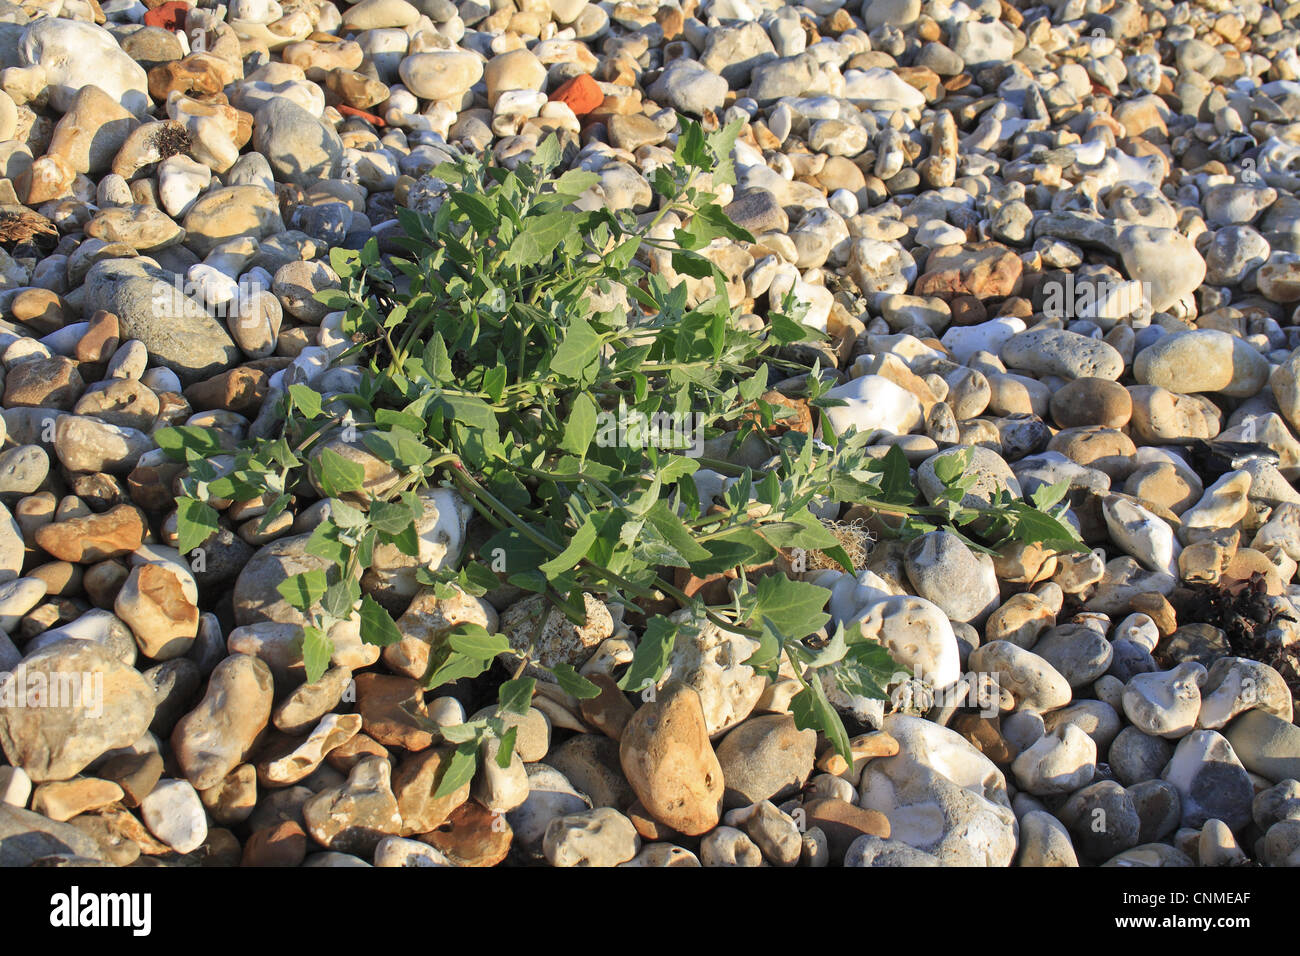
(581, 93)
(169, 16)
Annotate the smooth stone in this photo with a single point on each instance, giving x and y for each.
(1165, 703)
(941, 795)
(597, 837)
(668, 760)
(1266, 745)
(1202, 360)
(765, 758)
(1210, 780)
(943, 570)
(173, 814)
(1044, 841)
(215, 737)
(103, 704)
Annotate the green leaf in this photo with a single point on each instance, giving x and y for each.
(812, 711)
(675, 533)
(436, 360)
(476, 577)
(692, 149)
(464, 733)
(829, 654)
(673, 467)
(793, 607)
(303, 591)
(950, 466)
(398, 446)
(799, 530)
(340, 598)
(404, 419)
(721, 143)
(740, 546)
(546, 155)
(766, 658)
(896, 479)
(344, 261)
(575, 182)
(480, 211)
(196, 522)
(1045, 496)
(336, 300)
(376, 626)
(459, 772)
(787, 331)
(335, 474)
(652, 654)
(306, 399)
(506, 752)
(581, 426)
(317, 649)
(494, 382)
(370, 252)
(474, 640)
(390, 517)
(179, 439)
(450, 666)
(576, 550)
(346, 515)
(469, 410)
(867, 669)
(692, 264)
(1034, 527)
(516, 696)
(580, 348)
(325, 543)
(519, 552)
(541, 234)
(573, 683)
(710, 222)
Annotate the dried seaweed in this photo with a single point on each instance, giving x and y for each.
(1244, 615)
(25, 226)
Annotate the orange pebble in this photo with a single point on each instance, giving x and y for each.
(581, 93)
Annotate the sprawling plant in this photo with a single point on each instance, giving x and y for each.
(504, 356)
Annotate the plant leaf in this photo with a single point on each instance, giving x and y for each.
(196, 522)
(652, 654)
(573, 683)
(459, 771)
(317, 649)
(516, 696)
(376, 626)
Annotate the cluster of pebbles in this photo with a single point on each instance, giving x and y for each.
(1063, 236)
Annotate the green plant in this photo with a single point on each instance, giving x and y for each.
(491, 354)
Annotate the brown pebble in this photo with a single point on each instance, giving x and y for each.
(843, 823)
(101, 338)
(284, 844)
(236, 390)
(610, 711)
(472, 836)
(52, 382)
(39, 309)
(60, 577)
(1092, 401)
